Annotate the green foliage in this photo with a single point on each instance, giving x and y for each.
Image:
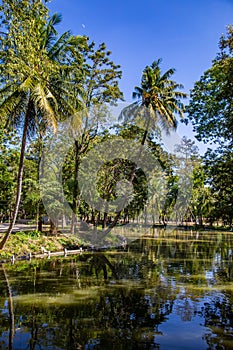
(210, 108)
(211, 113)
(32, 64)
(8, 171)
(101, 76)
(161, 97)
(219, 168)
(30, 234)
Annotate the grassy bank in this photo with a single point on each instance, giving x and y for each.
(23, 243)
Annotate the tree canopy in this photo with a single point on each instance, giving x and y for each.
(211, 109)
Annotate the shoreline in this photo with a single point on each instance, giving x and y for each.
(32, 244)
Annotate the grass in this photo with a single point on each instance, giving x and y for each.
(23, 243)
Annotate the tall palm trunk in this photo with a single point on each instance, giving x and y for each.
(20, 176)
(76, 200)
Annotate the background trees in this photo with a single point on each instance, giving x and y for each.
(210, 108)
(100, 86)
(219, 174)
(211, 112)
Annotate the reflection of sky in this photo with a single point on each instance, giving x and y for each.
(179, 335)
(21, 339)
(183, 329)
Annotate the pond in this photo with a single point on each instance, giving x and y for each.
(170, 290)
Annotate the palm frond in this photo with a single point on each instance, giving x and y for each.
(128, 113)
(7, 89)
(49, 34)
(41, 99)
(60, 44)
(8, 104)
(155, 64)
(27, 84)
(56, 19)
(137, 93)
(168, 74)
(159, 92)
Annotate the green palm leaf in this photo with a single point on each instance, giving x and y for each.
(158, 93)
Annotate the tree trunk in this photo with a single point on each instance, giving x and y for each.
(104, 224)
(93, 218)
(40, 223)
(39, 217)
(75, 190)
(53, 228)
(40, 175)
(64, 223)
(20, 177)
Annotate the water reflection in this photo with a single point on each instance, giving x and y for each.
(170, 290)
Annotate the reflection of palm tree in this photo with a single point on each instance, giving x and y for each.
(11, 310)
(34, 330)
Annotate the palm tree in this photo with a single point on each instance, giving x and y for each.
(159, 97)
(158, 103)
(34, 91)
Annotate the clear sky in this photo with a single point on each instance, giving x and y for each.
(184, 33)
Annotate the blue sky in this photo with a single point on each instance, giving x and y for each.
(185, 34)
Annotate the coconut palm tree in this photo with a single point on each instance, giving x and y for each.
(35, 85)
(158, 97)
(158, 103)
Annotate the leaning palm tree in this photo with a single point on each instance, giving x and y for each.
(158, 102)
(33, 88)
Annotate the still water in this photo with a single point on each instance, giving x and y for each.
(171, 290)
